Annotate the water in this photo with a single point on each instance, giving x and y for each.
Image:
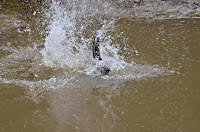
(49, 82)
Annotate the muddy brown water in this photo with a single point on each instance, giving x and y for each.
(39, 99)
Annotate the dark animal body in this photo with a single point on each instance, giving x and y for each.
(96, 55)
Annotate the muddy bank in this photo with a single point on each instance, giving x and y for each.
(156, 9)
(161, 9)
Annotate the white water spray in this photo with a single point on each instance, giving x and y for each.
(68, 44)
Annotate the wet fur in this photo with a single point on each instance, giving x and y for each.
(96, 55)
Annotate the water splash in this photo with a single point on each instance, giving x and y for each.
(68, 45)
(70, 34)
(69, 40)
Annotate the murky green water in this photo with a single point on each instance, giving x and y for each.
(48, 82)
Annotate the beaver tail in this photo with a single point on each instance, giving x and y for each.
(96, 50)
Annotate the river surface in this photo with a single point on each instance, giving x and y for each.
(49, 82)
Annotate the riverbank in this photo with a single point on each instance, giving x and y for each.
(153, 9)
(161, 9)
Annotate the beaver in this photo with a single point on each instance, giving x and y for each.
(96, 55)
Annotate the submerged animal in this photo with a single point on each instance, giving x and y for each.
(96, 55)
